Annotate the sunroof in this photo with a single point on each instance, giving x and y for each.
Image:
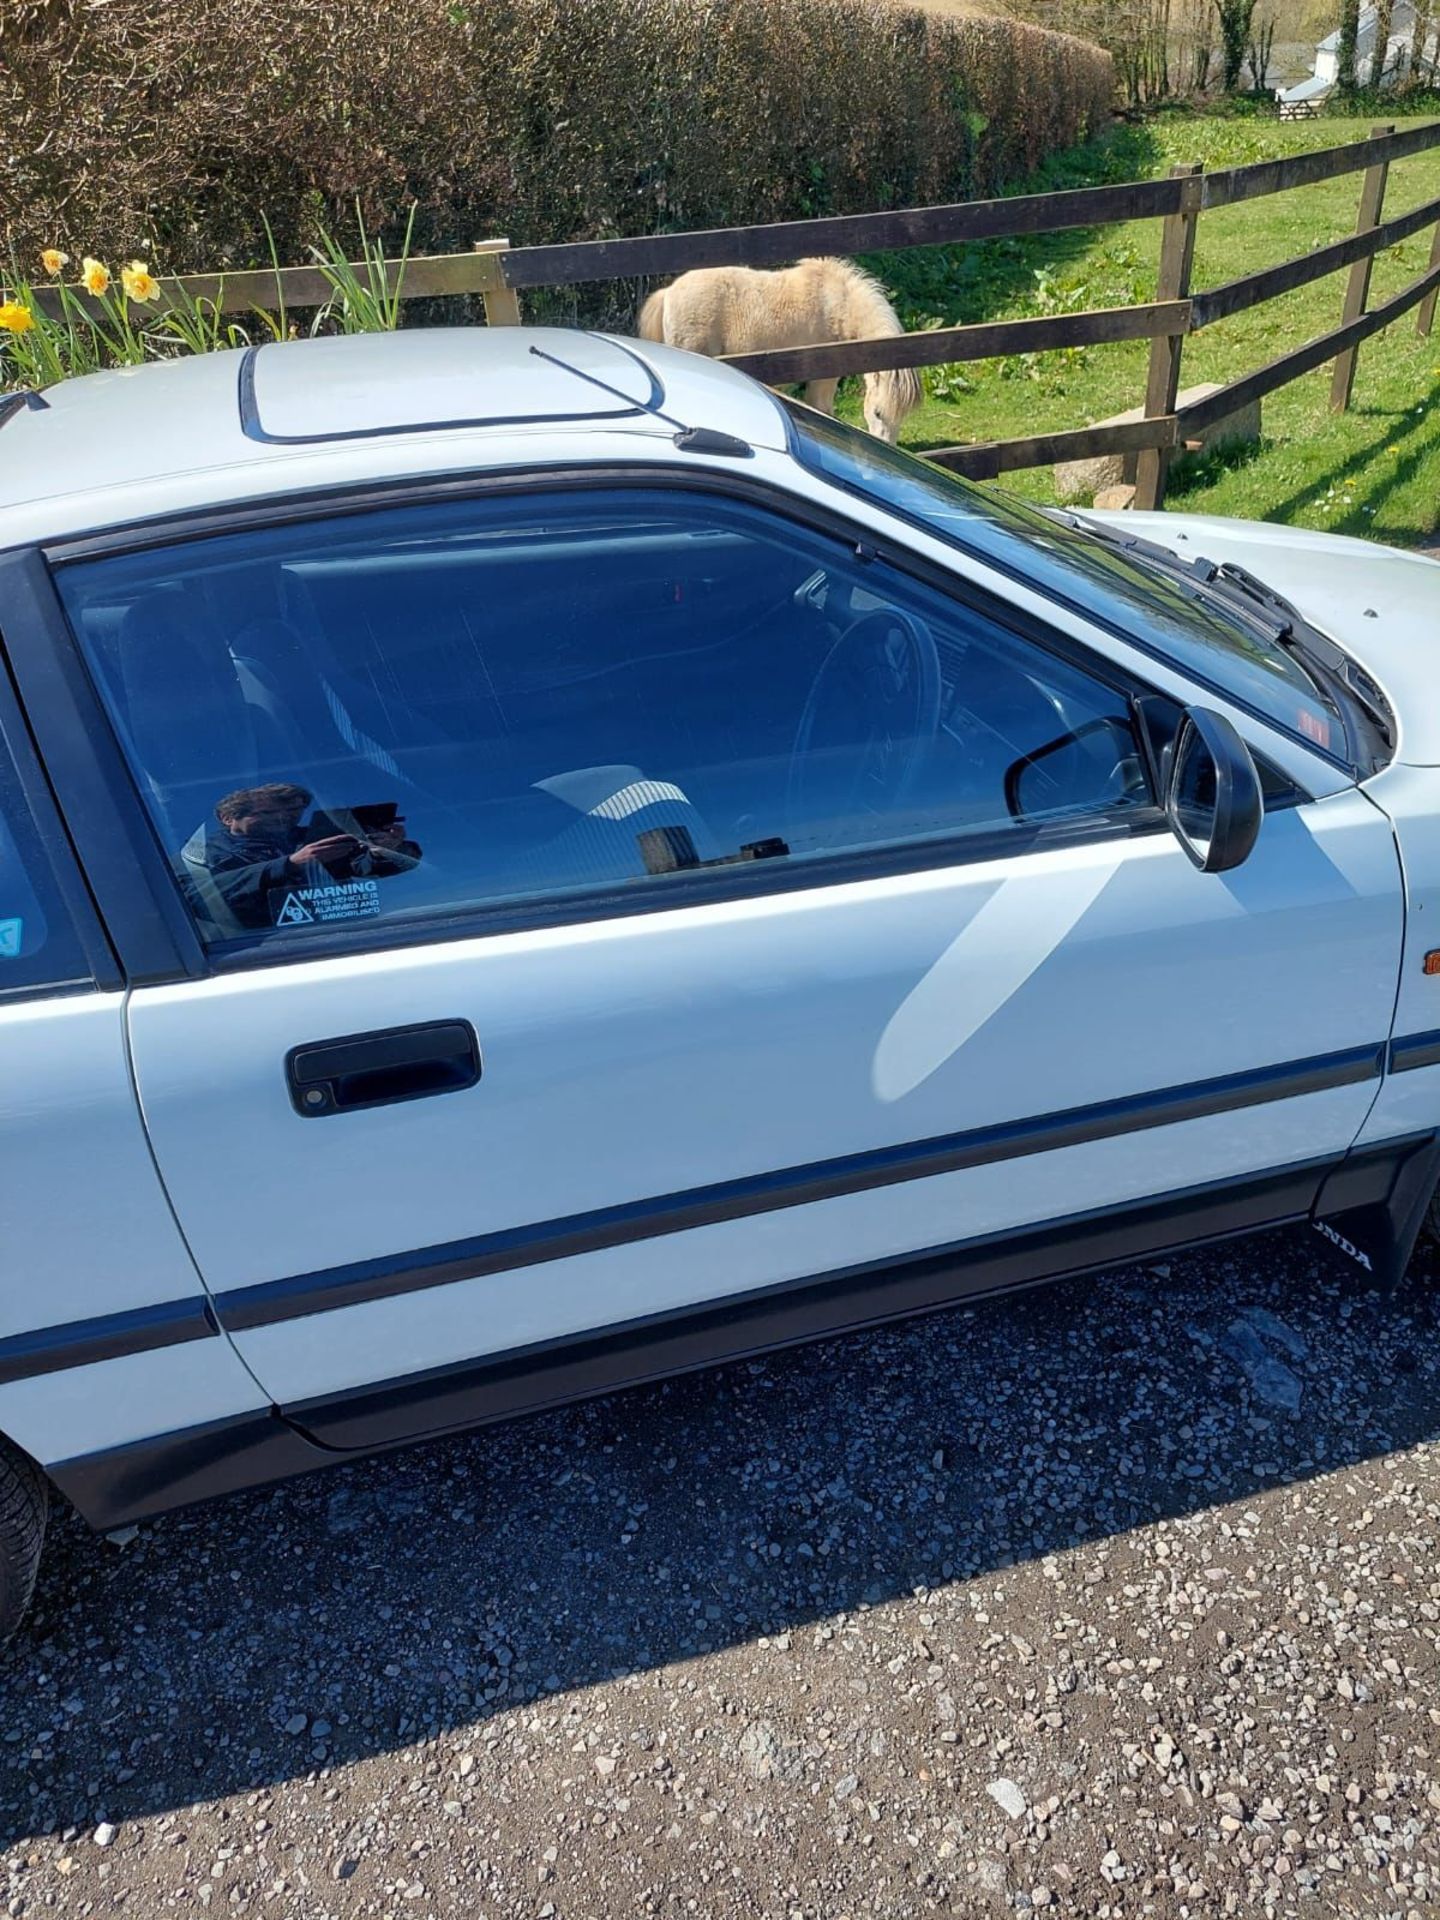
(295, 392)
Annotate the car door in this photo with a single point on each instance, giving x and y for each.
(104, 1334)
(709, 921)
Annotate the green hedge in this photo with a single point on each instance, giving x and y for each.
(168, 130)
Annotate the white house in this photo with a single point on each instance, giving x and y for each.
(1399, 48)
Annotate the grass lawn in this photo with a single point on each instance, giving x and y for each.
(1374, 471)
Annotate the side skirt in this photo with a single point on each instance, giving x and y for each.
(148, 1477)
(1373, 1205)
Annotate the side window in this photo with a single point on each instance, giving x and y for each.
(429, 708)
(39, 948)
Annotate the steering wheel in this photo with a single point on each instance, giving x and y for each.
(869, 721)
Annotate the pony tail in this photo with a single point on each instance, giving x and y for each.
(652, 317)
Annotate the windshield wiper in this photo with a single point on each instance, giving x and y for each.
(1312, 649)
(1337, 679)
(1229, 573)
(1241, 593)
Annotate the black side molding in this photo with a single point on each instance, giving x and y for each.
(128, 1483)
(147, 1477)
(1414, 1050)
(271, 1302)
(109, 1336)
(501, 1386)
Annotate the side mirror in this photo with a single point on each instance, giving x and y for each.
(1213, 798)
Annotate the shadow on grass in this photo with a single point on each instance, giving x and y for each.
(420, 1595)
(1191, 471)
(1355, 514)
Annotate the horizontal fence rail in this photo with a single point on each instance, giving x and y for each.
(987, 459)
(670, 253)
(497, 273)
(267, 289)
(1096, 327)
(1218, 303)
(1262, 177)
(1300, 360)
(965, 220)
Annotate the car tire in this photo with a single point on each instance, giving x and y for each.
(24, 1507)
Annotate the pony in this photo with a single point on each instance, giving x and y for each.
(724, 310)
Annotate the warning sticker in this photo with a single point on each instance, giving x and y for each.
(342, 900)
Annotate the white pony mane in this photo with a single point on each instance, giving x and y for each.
(868, 307)
(868, 316)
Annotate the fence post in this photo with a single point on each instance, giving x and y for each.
(502, 303)
(1426, 316)
(1177, 257)
(1357, 291)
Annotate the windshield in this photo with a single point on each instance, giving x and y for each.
(1107, 583)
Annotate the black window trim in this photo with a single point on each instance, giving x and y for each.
(150, 923)
(102, 970)
(120, 854)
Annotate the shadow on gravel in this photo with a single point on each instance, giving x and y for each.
(359, 1611)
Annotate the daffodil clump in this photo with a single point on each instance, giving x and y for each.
(102, 319)
(77, 327)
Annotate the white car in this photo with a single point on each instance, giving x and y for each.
(527, 864)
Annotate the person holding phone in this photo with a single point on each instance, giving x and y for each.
(256, 849)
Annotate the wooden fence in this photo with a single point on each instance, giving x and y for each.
(499, 273)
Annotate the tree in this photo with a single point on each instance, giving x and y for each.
(1349, 34)
(1235, 19)
(1384, 12)
(1136, 33)
(1261, 48)
(1419, 44)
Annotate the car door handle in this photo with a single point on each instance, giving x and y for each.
(361, 1070)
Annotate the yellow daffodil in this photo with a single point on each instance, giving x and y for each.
(15, 317)
(54, 261)
(93, 277)
(139, 283)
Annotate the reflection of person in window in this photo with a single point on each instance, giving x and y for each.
(256, 848)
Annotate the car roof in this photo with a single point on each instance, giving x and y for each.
(204, 429)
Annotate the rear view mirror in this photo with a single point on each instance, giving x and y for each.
(1213, 798)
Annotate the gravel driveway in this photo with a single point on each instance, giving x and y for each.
(1117, 1598)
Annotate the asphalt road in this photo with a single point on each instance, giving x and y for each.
(1117, 1598)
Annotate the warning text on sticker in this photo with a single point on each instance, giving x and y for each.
(344, 900)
